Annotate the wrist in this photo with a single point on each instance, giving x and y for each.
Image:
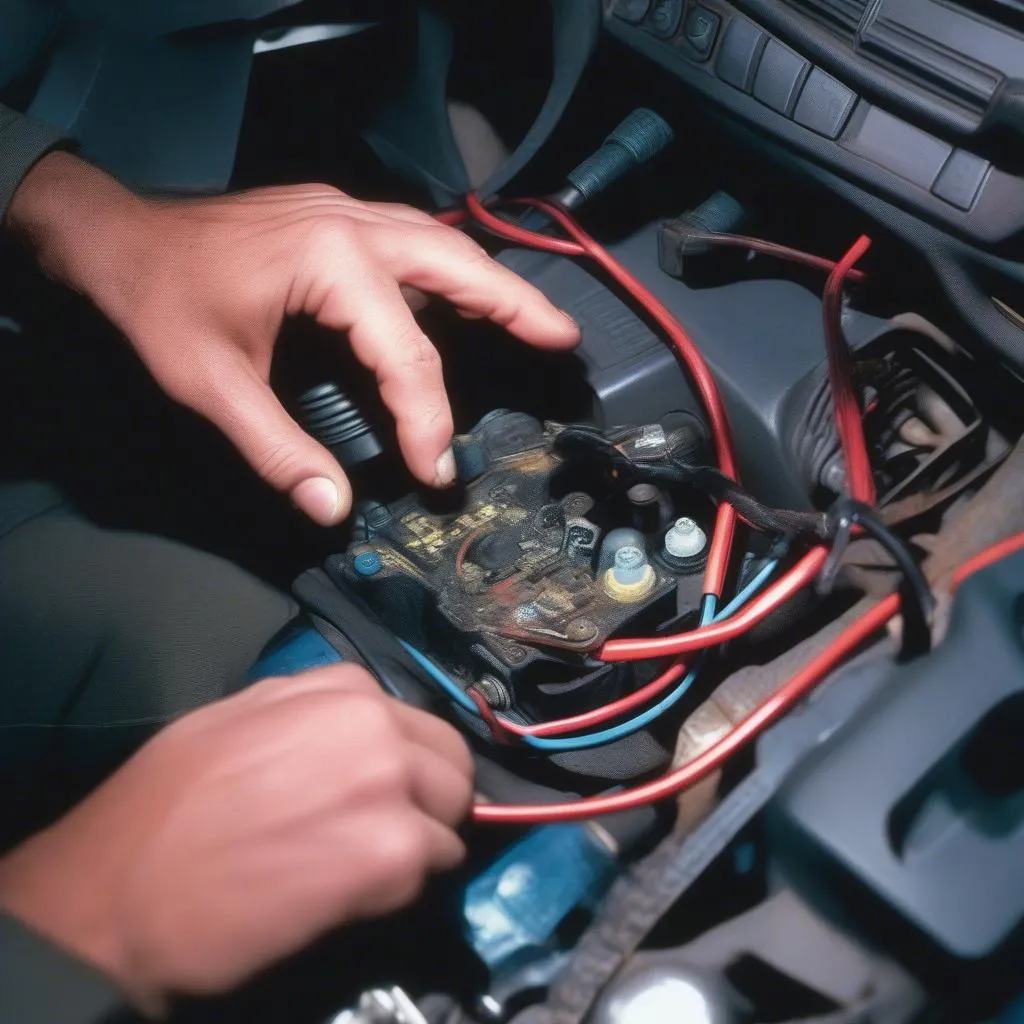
(65, 889)
(82, 225)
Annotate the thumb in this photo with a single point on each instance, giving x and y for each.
(249, 414)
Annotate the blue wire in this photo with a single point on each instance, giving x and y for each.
(626, 728)
(632, 725)
(442, 679)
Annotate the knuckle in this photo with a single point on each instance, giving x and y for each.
(369, 717)
(278, 463)
(331, 234)
(401, 853)
(418, 355)
(356, 679)
(406, 210)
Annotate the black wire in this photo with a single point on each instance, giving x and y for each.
(666, 467)
(918, 600)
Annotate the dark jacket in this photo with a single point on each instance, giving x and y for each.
(39, 983)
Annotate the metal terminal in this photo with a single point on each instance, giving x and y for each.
(643, 494)
(494, 691)
(577, 504)
(382, 1006)
(629, 566)
(685, 540)
(615, 539)
(630, 578)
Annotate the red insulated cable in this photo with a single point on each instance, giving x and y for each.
(725, 525)
(752, 613)
(991, 555)
(772, 249)
(693, 771)
(616, 709)
(453, 218)
(771, 709)
(859, 480)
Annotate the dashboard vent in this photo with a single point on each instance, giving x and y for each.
(844, 15)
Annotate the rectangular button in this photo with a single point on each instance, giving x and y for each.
(959, 181)
(825, 104)
(896, 146)
(701, 30)
(739, 53)
(779, 77)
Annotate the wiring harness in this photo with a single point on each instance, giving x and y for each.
(759, 598)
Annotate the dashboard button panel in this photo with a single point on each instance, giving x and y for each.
(701, 30)
(665, 18)
(825, 104)
(780, 75)
(633, 11)
(741, 49)
(897, 146)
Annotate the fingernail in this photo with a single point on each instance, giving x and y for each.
(319, 498)
(444, 469)
(570, 319)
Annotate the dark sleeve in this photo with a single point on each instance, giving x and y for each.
(40, 984)
(23, 141)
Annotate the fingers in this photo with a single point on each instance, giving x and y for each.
(445, 262)
(439, 788)
(401, 848)
(435, 734)
(386, 338)
(245, 408)
(440, 763)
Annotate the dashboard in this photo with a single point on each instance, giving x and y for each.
(913, 107)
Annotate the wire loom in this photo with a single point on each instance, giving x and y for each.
(723, 485)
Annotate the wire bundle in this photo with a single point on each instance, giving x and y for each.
(749, 607)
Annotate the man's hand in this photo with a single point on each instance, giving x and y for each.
(246, 829)
(200, 287)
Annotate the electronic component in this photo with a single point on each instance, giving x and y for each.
(514, 568)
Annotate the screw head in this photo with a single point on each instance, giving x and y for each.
(580, 630)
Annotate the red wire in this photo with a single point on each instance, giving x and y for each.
(767, 712)
(752, 613)
(773, 249)
(996, 552)
(725, 524)
(452, 217)
(693, 771)
(859, 480)
(617, 708)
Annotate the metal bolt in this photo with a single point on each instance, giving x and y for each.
(577, 504)
(685, 539)
(643, 494)
(581, 630)
(629, 565)
(515, 653)
(495, 692)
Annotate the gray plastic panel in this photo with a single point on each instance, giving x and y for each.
(996, 216)
(779, 77)
(961, 178)
(895, 145)
(760, 338)
(892, 802)
(825, 104)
